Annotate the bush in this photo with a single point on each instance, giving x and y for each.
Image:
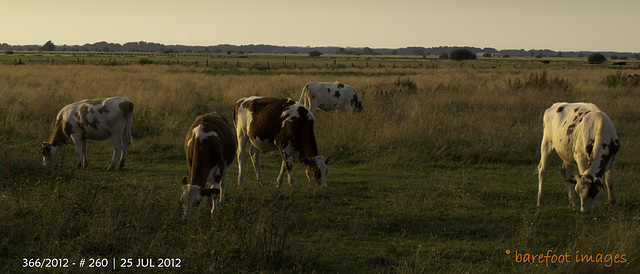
(444, 56)
(315, 53)
(596, 58)
(145, 61)
(620, 79)
(540, 81)
(462, 54)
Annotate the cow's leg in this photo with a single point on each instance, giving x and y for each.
(287, 164)
(545, 153)
(77, 144)
(241, 153)
(117, 150)
(569, 182)
(124, 147)
(609, 181)
(255, 159)
(85, 158)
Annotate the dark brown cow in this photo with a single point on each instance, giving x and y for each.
(95, 119)
(210, 149)
(266, 124)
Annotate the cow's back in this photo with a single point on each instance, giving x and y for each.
(261, 116)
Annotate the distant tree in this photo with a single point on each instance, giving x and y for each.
(614, 57)
(444, 56)
(315, 53)
(418, 52)
(596, 58)
(462, 54)
(340, 51)
(367, 50)
(49, 46)
(394, 52)
(487, 55)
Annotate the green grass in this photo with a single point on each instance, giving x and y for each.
(437, 179)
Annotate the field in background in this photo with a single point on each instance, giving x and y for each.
(437, 173)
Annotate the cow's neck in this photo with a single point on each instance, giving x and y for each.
(57, 137)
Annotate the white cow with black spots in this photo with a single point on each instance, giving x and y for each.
(94, 119)
(329, 96)
(583, 136)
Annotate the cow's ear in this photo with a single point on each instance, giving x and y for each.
(209, 191)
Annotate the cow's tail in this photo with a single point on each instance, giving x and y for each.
(304, 97)
(127, 128)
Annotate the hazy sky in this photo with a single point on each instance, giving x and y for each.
(561, 25)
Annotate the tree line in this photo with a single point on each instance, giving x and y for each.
(229, 49)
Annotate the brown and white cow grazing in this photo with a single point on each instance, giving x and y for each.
(210, 149)
(266, 124)
(329, 96)
(582, 135)
(92, 119)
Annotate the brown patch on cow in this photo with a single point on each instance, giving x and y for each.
(127, 108)
(576, 109)
(560, 108)
(68, 128)
(570, 129)
(264, 111)
(328, 90)
(614, 146)
(336, 94)
(84, 117)
(594, 189)
(340, 85)
(102, 110)
(355, 102)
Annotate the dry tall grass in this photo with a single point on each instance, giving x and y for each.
(449, 105)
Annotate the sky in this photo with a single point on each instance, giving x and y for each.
(560, 25)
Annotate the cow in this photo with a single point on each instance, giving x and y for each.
(92, 119)
(329, 96)
(267, 124)
(210, 149)
(582, 135)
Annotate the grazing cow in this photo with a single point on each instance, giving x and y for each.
(94, 119)
(329, 96)
(582, 135)
(210, 148)
(266, 124)
(633, 75)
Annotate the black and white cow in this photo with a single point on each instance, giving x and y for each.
(329, 96)
(266, 124)
(582, 135)
(92, 119)
(210, 148)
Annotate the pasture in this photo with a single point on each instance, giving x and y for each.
(437, 174)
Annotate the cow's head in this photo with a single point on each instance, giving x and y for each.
(49, 152)
(316, 170)
(588, 188)
(192, 196)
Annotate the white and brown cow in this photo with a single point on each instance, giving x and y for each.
(582, 135)
(92, 119)
(329, 96)
(267, 124)
(210, 148)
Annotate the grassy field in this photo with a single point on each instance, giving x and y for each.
(436, 175)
